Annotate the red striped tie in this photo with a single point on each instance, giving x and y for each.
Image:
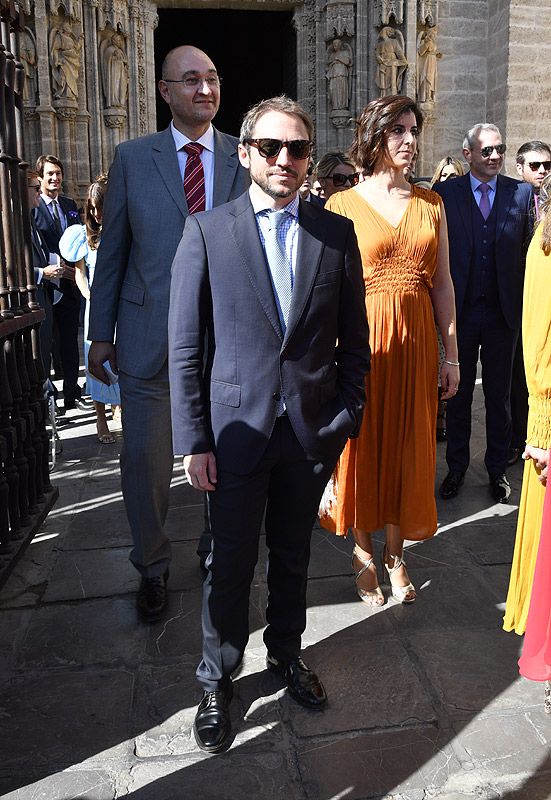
(194, 178)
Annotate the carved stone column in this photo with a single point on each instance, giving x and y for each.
(306, 20)
(340, 29)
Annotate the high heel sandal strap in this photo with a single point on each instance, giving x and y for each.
(398, 562)
(366, 565)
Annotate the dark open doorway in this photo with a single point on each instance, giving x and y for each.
(254, 52)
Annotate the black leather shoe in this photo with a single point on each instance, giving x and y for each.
(212, 726)
(500, 489)
(513, 456)
(303, 685)
(451, 485)
(152, 597)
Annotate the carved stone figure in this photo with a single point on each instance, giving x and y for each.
(391, 61)
(114, 71)
(339, 62)
(28, 57)
(428, 54)
(65, 47)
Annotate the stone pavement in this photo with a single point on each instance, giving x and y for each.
(425, 701)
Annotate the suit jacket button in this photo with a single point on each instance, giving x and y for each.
(276, 396)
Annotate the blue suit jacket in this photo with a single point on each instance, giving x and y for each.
(46, 225)
(221, 283)
(143, 219)
(513, 200)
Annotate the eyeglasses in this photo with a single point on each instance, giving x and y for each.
(194, 82)
(270, 148)
(535, 165)
(341, 180)
(486, 152)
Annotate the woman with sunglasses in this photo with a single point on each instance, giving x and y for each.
(385, 477)
(447, 167)
(334, 172)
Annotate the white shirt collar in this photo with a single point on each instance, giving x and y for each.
(180, 139)
(259, 206)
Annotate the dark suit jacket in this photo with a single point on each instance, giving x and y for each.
(513, 199)
(46, 226)
(143, 219)
(221, 282)
(40, 259)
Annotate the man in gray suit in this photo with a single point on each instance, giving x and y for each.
(155, 182)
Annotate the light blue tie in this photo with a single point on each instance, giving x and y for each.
(280, 267)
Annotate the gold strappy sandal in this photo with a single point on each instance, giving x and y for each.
(399, 593)
(373, 597)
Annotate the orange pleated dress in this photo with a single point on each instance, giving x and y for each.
(386, 475)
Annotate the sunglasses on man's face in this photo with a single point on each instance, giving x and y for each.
(535, 165)
(486, 152)
(341, 180)
(270, 148)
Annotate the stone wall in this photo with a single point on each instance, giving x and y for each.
(491, 66)
(528, 99)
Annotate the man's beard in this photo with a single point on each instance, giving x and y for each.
(263, 181)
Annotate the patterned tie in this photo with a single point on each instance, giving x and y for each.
(57, 218)
(484, 206)
(194, 178)
(280, 267)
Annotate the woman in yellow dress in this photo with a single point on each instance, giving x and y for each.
(536, 343)
(385, 477)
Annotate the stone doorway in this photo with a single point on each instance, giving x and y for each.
(254, 52)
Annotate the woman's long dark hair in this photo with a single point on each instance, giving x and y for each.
(96, 195)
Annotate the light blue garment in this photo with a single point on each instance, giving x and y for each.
(73, 246)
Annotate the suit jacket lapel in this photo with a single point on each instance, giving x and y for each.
(46, 216)
(226, 164)
(244, 230)
(166, 161)
(309, 251)
(503, 200)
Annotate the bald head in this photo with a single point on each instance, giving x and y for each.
(190, 86)
(185, 52)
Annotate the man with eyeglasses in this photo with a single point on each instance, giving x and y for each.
(155, 183)
(488, 224)
(533, 162)
(278, 283)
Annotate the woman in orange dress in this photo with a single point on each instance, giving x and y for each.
(385, 477)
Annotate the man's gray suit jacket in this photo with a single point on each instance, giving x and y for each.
(221, 282)
(143, 219)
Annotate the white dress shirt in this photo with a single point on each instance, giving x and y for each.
(207, 158)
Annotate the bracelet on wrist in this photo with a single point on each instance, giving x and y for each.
(451, 363)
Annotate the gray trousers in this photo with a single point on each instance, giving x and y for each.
(146, 467)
